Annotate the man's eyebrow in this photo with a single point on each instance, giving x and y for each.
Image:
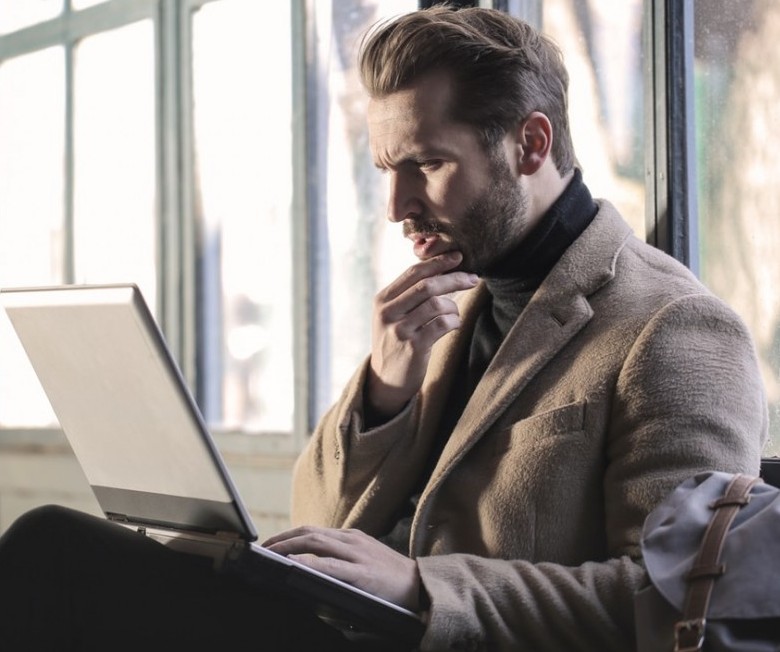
(414, 157)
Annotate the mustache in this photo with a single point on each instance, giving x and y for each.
(428, 226)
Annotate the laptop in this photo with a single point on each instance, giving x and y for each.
(146, 452)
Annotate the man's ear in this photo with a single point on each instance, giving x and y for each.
(534, 142)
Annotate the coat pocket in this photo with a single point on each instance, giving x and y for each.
(548, 473)
(568, 420)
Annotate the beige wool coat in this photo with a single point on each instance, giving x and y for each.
(621, 378)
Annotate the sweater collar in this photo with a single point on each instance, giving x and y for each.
(525, 268)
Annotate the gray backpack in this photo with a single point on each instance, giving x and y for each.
(712, 553)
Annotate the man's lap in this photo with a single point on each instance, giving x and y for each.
(73, 581)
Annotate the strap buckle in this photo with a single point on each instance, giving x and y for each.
(689, 635)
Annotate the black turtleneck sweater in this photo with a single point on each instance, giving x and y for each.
(511, 284)
(513, 281)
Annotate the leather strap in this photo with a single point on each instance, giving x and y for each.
(689, 631)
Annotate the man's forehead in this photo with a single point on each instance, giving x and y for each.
(429, 95)
(421, 107)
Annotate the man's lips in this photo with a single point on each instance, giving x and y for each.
(428, 245)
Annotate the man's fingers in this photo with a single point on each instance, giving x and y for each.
(431, 291)
(303, 530)
(346, 571)
(353, 557)
(424, 269)
(318, 541)
(410, 315)
(409, 323)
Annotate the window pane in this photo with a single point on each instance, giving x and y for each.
(114, 159)
(366, 251)
(243, 142)
(16, 14)
(602, 49)
(738, 109)
(32, 120)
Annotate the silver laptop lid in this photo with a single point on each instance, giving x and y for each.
(124, 407)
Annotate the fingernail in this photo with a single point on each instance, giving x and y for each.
(474, 279)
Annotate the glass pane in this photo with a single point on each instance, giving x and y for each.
(738, 109)
(16, 14)
(31, 210)
(243, 142)
(602, 49)
(366, 250)
(114, 159)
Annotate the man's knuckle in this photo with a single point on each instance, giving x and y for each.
(412, 274)
(443, 324)
(439, 304)
(424, 286)
(317, 538)
(379, 298)
(383, 313)
(397, 331)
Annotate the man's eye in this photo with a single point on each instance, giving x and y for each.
(430, 165)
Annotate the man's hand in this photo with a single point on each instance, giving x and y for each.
(355, 558)
(410, 315)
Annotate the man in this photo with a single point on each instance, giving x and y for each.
(510, 446)
(491, 463)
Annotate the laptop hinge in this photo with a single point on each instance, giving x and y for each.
(215, 545)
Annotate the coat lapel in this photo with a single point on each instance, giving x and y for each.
(557, 312)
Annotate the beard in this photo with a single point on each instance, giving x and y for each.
(491, 225)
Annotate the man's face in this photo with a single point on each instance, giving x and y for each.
(447, 190)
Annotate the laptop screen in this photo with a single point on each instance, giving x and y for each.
(124, 407)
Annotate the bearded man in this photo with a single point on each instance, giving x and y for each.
(508, 445)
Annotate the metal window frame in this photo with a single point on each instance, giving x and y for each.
(312, 250)
(670, 156)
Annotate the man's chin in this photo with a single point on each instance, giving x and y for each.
(468, 265)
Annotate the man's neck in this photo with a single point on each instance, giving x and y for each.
(526, 265)
(543, 189)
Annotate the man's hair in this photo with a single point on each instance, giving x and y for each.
(502, 68)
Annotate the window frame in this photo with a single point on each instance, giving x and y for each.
(672, 208)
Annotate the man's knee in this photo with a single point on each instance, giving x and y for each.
(41, 524)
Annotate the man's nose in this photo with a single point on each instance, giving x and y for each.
(403, 200)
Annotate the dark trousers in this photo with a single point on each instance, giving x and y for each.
(70, 581)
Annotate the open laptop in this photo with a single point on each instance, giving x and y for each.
(146, 452)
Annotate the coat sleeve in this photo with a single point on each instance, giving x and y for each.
(339, 479)
(688, 398)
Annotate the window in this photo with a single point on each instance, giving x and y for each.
(77, 163)
(113, 220)
(603, 50)
(241, 205)
(737, 89)
(32, 145)
(165, 142)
